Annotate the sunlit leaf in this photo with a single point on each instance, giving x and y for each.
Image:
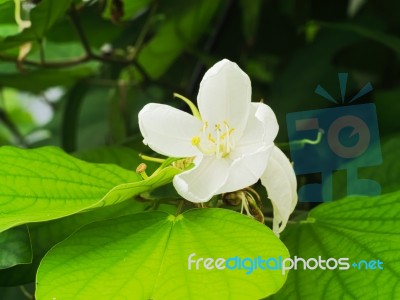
(46, 184)
(146, 257)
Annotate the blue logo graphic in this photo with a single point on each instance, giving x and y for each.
(339, 138)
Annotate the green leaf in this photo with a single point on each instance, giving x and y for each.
(45, 184)
(39, 80)
(43, 17)
(146, 257)
(45, 235)
(178, 32)
(358, 228)
(7, 14)
(15, 247)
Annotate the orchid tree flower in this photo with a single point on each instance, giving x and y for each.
(230, 139)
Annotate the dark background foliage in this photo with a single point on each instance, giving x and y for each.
(112, 57)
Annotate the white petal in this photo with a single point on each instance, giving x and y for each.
(168, 131)
(260, 130)
(246, 170)
(203, 181)
(265, 114)
(280, 181)
(252, 151)
(225, 95)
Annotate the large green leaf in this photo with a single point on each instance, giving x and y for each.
(15, 247)
(43, 17)
(146, 257)
(45, 184)
(358, 228)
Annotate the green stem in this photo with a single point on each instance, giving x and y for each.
(153, 159)
(180, 207)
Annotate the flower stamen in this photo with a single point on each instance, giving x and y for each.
(216, 142)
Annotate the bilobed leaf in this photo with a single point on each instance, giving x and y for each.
(43, 17)
(358, 228)
(45, 184)
(146, 257)
(15, 247)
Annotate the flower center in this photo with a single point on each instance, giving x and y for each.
(215, 140)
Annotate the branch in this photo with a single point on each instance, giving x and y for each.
(48, 64)
(91, 56)
(79, 29)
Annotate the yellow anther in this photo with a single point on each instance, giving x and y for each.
(195, 140)
(216, 142)
(141, 168)
(210, 138)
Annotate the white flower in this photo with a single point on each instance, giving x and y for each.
(232, 142)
